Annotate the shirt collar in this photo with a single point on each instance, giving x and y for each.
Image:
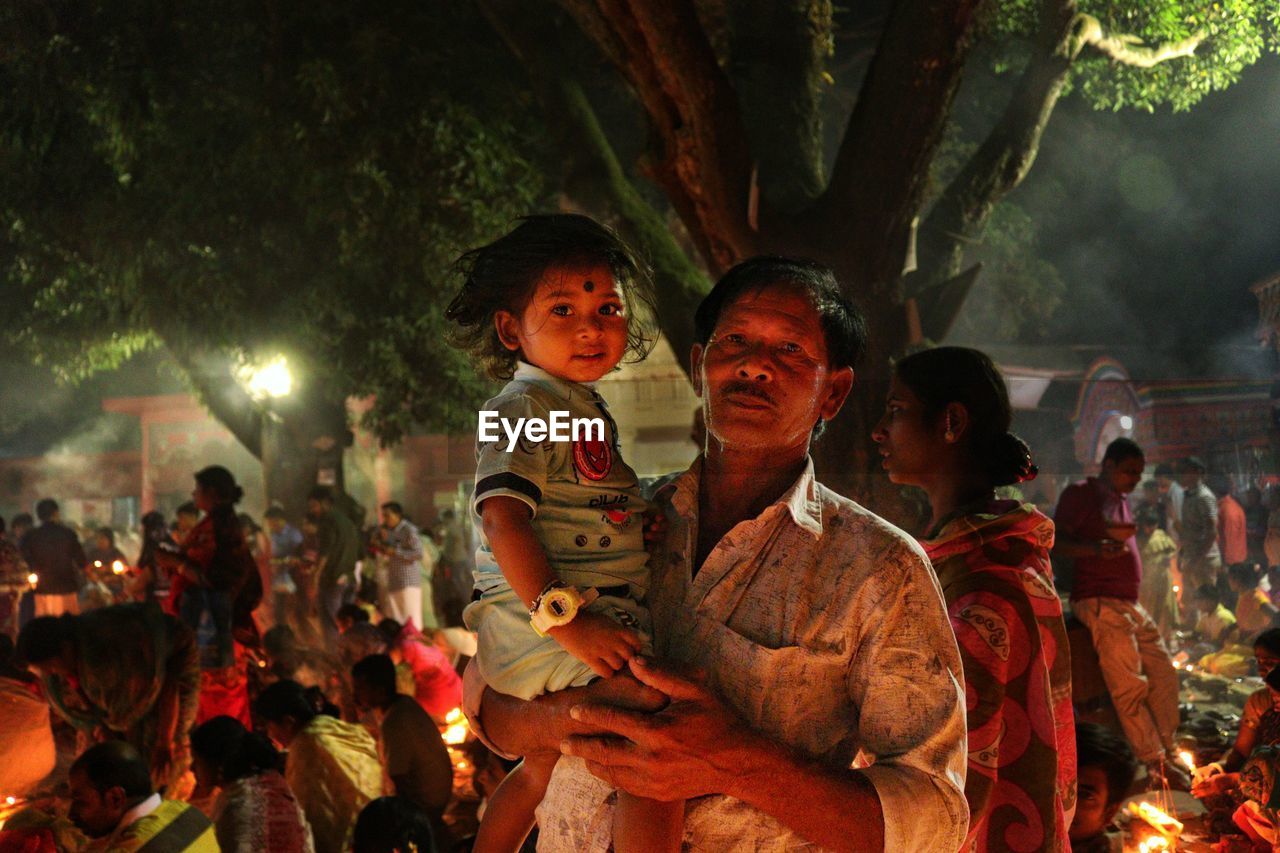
(563, 388)
(801, 500)
(138, 812)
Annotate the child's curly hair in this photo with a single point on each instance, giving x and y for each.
(503, 275)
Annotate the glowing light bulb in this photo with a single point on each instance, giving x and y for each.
(33, 579)
(272, 379)
(1126, 422)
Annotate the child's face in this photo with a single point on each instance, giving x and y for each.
(574, 326)
(1093, 812)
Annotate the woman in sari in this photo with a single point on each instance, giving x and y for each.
(255, 809)
(946, 430)
(332, 766)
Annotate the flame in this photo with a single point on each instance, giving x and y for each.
(1188, 759)
(454, 716)
(1154, 843)
(33, 579)
(97, 564)
(118, 567)
(1161, 821)
(455, 734)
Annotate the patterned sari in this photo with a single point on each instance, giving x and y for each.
(993, 564)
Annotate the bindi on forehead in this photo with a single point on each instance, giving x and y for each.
(588, 285)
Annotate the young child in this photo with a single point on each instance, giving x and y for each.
(1105, 772)
(1216, 622)
(561, 568)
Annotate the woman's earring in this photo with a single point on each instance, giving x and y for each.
(949, 435)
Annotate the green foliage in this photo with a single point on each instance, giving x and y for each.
(254, 179)
(1235, 34)
(1018, 291)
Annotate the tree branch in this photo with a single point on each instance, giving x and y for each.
(1129, 49)
(679, 283)
(1006, 155)
(704, 164)
(882, 164)
(778, 59)
(210, 375)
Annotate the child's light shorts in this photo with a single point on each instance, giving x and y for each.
(512, 657)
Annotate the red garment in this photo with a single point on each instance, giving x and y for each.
(437, 686)
(1084, 512)
(1233, 537)
(993, 565)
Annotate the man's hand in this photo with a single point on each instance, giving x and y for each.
(1111, 548)
(690, 748)
(598, 641)
(1220, 783)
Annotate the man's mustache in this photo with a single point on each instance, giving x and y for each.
(749, 389)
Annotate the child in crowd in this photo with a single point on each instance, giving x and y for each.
(1254, 611)
(1216, 622)
(1106, 769)
(561, 568)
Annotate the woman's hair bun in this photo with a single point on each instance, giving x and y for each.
(1009, 461)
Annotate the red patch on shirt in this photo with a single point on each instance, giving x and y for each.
(593, 458)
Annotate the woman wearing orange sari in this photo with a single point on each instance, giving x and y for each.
(946, 430)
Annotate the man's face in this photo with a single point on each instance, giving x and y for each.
(274, 525)
(1188, 478)
(1124, 475)
(763, 375)
(390, 518)
(363, 694)
(1093, 813)
(186, 521)
(97, 814)
(315, 507)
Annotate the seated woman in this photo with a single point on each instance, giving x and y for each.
(255, 809)
(1259, 724)
(1254, 611)
(436, 684)
(332, 766)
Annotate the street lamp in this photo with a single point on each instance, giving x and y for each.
(272, 379)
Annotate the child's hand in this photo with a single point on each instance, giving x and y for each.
(598, 641)
(655, 528)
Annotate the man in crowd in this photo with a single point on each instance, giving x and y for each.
(398, 544)
(113, 802)
(54, 553)
(128, 671)
(186, 517)
(413, 753)
(830, 708)
(1233, 534)
(1106, 769)
(1171, 495)
(1095, 527)
(1199, 557)
(338, 542)
(286, 546)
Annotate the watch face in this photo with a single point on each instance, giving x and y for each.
(557, 607)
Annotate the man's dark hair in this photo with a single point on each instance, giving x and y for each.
(46, 509)
(1209, 592)
(1097, 746)
(1121, 449)
(1268, 640)
(275, 511)
(390, 630)
(354, 612)
(1243, 574)
(285, 699)
(43, 637)
(395, 507)
(1192, 463)
(22, 519)
(843, 326)
(187, 508)
(115, 764)
(377, 671)
(1147, 515)
(1164, 469)
(389, 824)
(323, 494)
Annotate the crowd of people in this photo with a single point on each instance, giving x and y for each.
(734, 657)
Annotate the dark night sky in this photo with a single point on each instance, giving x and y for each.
(1159, 223)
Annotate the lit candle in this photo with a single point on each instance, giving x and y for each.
(33, 579)
(1188, 759)
(118, 567)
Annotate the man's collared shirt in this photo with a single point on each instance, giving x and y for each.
(824, 627)
(404, 562)
(1085, 511)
